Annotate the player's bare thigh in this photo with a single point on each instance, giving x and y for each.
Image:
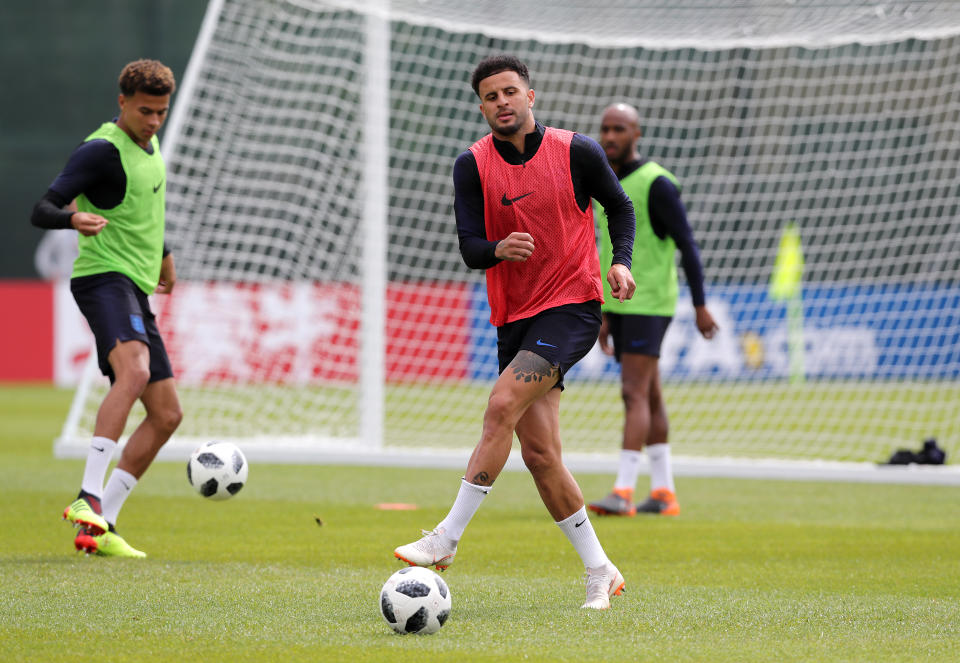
(526, 378)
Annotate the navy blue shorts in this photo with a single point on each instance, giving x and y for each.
(561, 335)
(117, 310)
(637, 334)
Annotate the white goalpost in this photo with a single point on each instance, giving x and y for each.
(323, 313)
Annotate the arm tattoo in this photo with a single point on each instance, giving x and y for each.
(531, 367)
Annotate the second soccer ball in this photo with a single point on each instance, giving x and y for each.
(217, 470)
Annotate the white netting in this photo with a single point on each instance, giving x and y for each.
(841, 117)
(672, 24)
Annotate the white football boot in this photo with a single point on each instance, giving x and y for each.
(428, 551)
(603, 582)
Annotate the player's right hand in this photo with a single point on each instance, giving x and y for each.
(88, 223)
(515, 247)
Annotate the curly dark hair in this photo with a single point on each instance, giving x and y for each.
(147, 76)
(496, 64)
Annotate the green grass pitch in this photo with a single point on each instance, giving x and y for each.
(751, 571)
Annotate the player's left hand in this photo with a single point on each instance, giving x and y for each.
(168, 276)
(622, 285)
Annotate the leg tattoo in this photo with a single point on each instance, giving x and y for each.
(481, 479)
(531, 367)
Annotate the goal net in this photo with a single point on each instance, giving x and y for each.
(323, 310)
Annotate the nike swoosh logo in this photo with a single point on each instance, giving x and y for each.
(580, 523)
(157, 188)
(98, 448)
(511, 201)
(124, 484)
(547, 345)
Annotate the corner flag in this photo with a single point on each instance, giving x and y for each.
(785, 286)
(788, 268)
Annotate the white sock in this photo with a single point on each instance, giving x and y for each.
(98, 460)
(467, 502)
(580, 532)
(628, 469)
(661, 470)
(115, 494)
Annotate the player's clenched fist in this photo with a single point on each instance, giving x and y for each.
(515, 247)
(88, 223)
(622, 285)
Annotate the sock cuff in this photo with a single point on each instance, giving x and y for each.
(125, 476)
(103, 440)
(472, 486)
(656, 450)
(575, 518)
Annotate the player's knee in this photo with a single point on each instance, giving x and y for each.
(168, 418)
(133, 377)
(634, 396)
(501, 411)
(538, 458)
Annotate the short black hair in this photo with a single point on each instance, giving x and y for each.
(496, 64)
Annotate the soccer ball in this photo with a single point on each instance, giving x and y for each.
(217, 470)
(415, 600)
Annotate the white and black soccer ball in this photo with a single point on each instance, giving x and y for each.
(217, 470)
(415, 600)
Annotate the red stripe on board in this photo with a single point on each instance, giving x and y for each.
(26, 330)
